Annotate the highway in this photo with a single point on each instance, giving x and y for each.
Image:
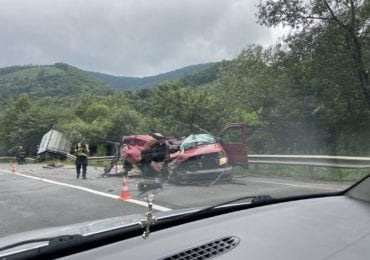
(36, 197)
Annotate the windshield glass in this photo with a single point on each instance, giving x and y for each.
(197, 140)
(105, 102)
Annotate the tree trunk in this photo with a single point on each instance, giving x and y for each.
(360, 67)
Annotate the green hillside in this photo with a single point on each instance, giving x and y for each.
(58, 80)
(134, 83)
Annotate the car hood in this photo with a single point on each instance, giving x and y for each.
(196, 151)
(84, 229)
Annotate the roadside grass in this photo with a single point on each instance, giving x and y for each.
(8, 161)
(302, 172)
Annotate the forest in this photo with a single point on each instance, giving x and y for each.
(308, 94)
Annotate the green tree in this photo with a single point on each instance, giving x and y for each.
(180, 108)
(24, 123)
(348, 18)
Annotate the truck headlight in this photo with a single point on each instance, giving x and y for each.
(223, 161)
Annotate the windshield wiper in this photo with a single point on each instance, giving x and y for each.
(52, 241)
(227, 206)
(256, 199)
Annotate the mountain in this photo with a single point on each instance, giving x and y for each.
(132, 83)
(56, 80)
(63, 80)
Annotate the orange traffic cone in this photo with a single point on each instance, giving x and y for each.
(125, 195)
(14, 170)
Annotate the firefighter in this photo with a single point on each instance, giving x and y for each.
(21, 155)
(81, 151)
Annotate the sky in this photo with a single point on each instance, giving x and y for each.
(128, 37)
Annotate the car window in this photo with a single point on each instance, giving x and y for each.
(197, 140)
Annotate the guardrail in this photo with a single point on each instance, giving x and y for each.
(92, 158)
(312, 160)
(298, 160)
(101, 158)
(70, 156)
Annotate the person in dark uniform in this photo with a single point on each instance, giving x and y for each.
(21, 155)
(81, 151)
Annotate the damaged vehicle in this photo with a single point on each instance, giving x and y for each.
(204, 157)
(198, 158)
(150, 154)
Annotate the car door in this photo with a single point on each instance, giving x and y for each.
(234, 141)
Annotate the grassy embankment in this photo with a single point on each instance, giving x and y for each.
(302, 172)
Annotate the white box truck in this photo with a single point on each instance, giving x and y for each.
(54, 144)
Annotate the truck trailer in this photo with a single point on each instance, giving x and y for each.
(54, 145)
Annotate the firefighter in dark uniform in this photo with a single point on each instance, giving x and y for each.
(21, 155)
(81, 151)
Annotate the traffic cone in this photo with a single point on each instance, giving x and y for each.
(125, 195)
(14, 170)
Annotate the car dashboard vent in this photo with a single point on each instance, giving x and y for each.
(206, 251)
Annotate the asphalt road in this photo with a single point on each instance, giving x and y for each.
(37, 197)
(28, 204)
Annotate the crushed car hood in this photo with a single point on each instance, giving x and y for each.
(197, 151)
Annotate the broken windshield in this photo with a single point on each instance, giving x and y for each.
(197, 140)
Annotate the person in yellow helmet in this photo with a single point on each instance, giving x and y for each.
(82, 152)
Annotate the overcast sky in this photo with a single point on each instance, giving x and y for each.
(128, 37)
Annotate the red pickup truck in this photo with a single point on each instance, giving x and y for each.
(197, 158)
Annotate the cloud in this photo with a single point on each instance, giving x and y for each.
(131, 37)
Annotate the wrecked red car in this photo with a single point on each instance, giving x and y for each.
(197, 158)
(203, 157)
(148, 152)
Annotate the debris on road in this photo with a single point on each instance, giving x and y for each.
(53, 165)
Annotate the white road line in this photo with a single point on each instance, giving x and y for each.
(294, 185)
(137, 202)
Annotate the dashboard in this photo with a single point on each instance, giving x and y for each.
(336, 227)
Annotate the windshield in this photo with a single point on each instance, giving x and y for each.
(197, 140)
(198, 102)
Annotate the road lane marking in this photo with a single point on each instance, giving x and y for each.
(294, 185)
(134, 201)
